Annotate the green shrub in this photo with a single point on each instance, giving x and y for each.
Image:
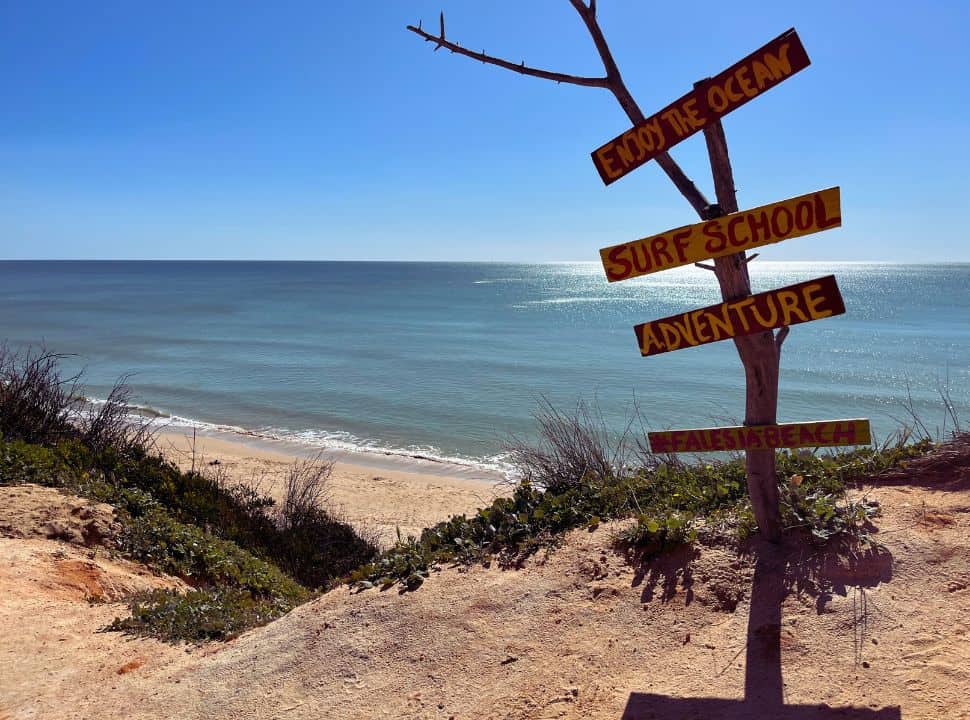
(671, 502)
(234, 589)
(22, 462)
(200, 615)
(36, 403)
(188, 552)
(314, 548)
(653, 534)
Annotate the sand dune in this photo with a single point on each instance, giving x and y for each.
(580, 632)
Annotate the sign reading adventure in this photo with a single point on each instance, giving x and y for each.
(803, 302)
(762, 437)
(708, 101)
(725, 235)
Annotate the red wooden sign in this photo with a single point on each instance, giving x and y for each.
(762, 437)
(711, 99)
(789, 305)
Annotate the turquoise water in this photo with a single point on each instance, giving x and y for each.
(449, 359)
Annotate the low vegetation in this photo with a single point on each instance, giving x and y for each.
(248, 560)
(576, 476)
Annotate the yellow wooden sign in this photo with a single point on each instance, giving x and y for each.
(790, 305)
(710, 100)
(763, 437)
(725, 235)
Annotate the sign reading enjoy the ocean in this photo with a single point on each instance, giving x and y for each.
(725, 235)
(802, 302)
(710, 100)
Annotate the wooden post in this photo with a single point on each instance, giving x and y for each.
(760, 353)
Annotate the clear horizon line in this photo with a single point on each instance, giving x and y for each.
(452, 262)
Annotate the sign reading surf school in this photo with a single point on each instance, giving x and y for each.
(725, 235)
(803, 302)
(712, 99)
(763, 437)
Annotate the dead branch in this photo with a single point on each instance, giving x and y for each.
(943, 388)
(910, 406)
(520, 68)
(616, 85)
(780, 337)
(704, 266)
(613, 82)
(751, 257)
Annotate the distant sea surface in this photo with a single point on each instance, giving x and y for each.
(449, 360)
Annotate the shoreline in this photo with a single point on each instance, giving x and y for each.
(389, 495)
(374, 458)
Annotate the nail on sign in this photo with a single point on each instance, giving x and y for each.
(711, 99)
(803, 302)
(725, 235)
(762, 437)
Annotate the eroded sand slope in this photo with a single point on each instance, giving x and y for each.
(579, 633)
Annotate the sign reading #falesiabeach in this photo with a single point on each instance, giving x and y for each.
(763, 437)
(708, 101)
(725, 235)
(790, 305)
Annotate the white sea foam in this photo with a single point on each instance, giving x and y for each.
(312, 439)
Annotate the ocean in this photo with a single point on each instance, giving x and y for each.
(449, 360)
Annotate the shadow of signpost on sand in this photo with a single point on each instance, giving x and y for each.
(778, 570)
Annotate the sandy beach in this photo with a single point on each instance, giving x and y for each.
(386, 493)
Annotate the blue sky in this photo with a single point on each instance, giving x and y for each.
(309, 130)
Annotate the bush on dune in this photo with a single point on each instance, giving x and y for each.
(572, 449)
(36, 404)
(313, 544)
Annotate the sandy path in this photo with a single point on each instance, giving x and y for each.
(386, 498)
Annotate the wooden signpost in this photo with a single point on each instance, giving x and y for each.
(757, 323)
(812, 300)
(725, 236)
(710, 100)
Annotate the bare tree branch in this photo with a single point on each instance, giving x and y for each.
(441, 17)
(612, 82)
(520, 68)
(751, 257)
(619, 89)
(780, 337)
(703, 266)
(616, 85)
